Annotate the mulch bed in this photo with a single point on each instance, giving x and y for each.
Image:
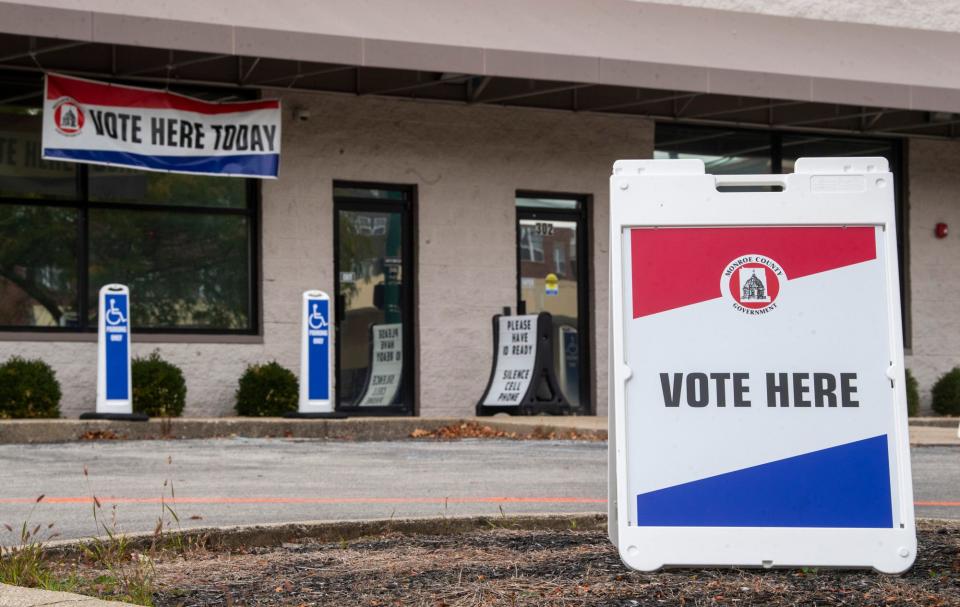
(477, 430)
(511, 567)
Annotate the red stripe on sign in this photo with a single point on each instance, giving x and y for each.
(676, 267)
(114, 95)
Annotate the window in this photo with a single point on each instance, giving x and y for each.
(540, 202)
(723, 151)
(184, 244)
(733, 151)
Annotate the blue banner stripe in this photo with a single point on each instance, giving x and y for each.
(252, 165)
(847, 486)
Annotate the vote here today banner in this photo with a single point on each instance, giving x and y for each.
(110, 124)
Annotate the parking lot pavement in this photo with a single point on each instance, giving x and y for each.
(250, 481)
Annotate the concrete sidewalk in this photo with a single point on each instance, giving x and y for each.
(15, 596)
(923, 430)
(933, 435)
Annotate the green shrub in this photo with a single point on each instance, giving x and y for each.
(267, 390)
(946, 393)
(158, 387)
(913, 395)
(28, 388)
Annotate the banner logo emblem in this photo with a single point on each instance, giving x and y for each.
(68, 118)
(753, 284)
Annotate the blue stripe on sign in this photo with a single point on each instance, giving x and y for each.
(847, 486)
(117, 349)
(318, 336)
(253, 165)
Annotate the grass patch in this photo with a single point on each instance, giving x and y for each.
(24, 563)
(109, 566)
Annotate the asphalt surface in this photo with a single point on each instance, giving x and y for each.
(249, 481)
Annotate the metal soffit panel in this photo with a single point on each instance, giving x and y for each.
(24, 58)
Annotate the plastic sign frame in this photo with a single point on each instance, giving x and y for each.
(114, 381)
(677, 197)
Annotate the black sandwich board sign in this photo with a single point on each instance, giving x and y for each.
(522, 380)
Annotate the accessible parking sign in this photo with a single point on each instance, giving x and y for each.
(757, 368)
(114, 394)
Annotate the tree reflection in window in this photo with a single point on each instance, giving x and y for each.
(38, 268)
(185, 270)
(357, 250)
(531, 244)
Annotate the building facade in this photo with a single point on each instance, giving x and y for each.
(435, 174)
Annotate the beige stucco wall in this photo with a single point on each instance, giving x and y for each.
(467, 163)
(934, 279)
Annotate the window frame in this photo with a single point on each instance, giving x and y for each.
(82, 204)
(581, 213)
(898, 166)
(406, 205)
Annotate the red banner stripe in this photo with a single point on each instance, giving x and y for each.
(87, 92)
(676, 267)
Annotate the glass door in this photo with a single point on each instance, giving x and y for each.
(552, 277)
(374, 300)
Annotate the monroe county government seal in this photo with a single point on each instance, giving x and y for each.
(752, 283)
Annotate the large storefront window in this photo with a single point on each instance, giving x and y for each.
(184, 244)
(735, 151)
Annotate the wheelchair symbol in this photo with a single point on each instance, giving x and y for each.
(114, 316)
(316, 320)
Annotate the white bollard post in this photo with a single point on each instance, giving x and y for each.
(114, 384)
(316, 358)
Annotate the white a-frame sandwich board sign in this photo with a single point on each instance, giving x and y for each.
(759, 414)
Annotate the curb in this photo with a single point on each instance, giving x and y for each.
(40, 431)
(247, 536)
(936, 422)
(32, 431)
